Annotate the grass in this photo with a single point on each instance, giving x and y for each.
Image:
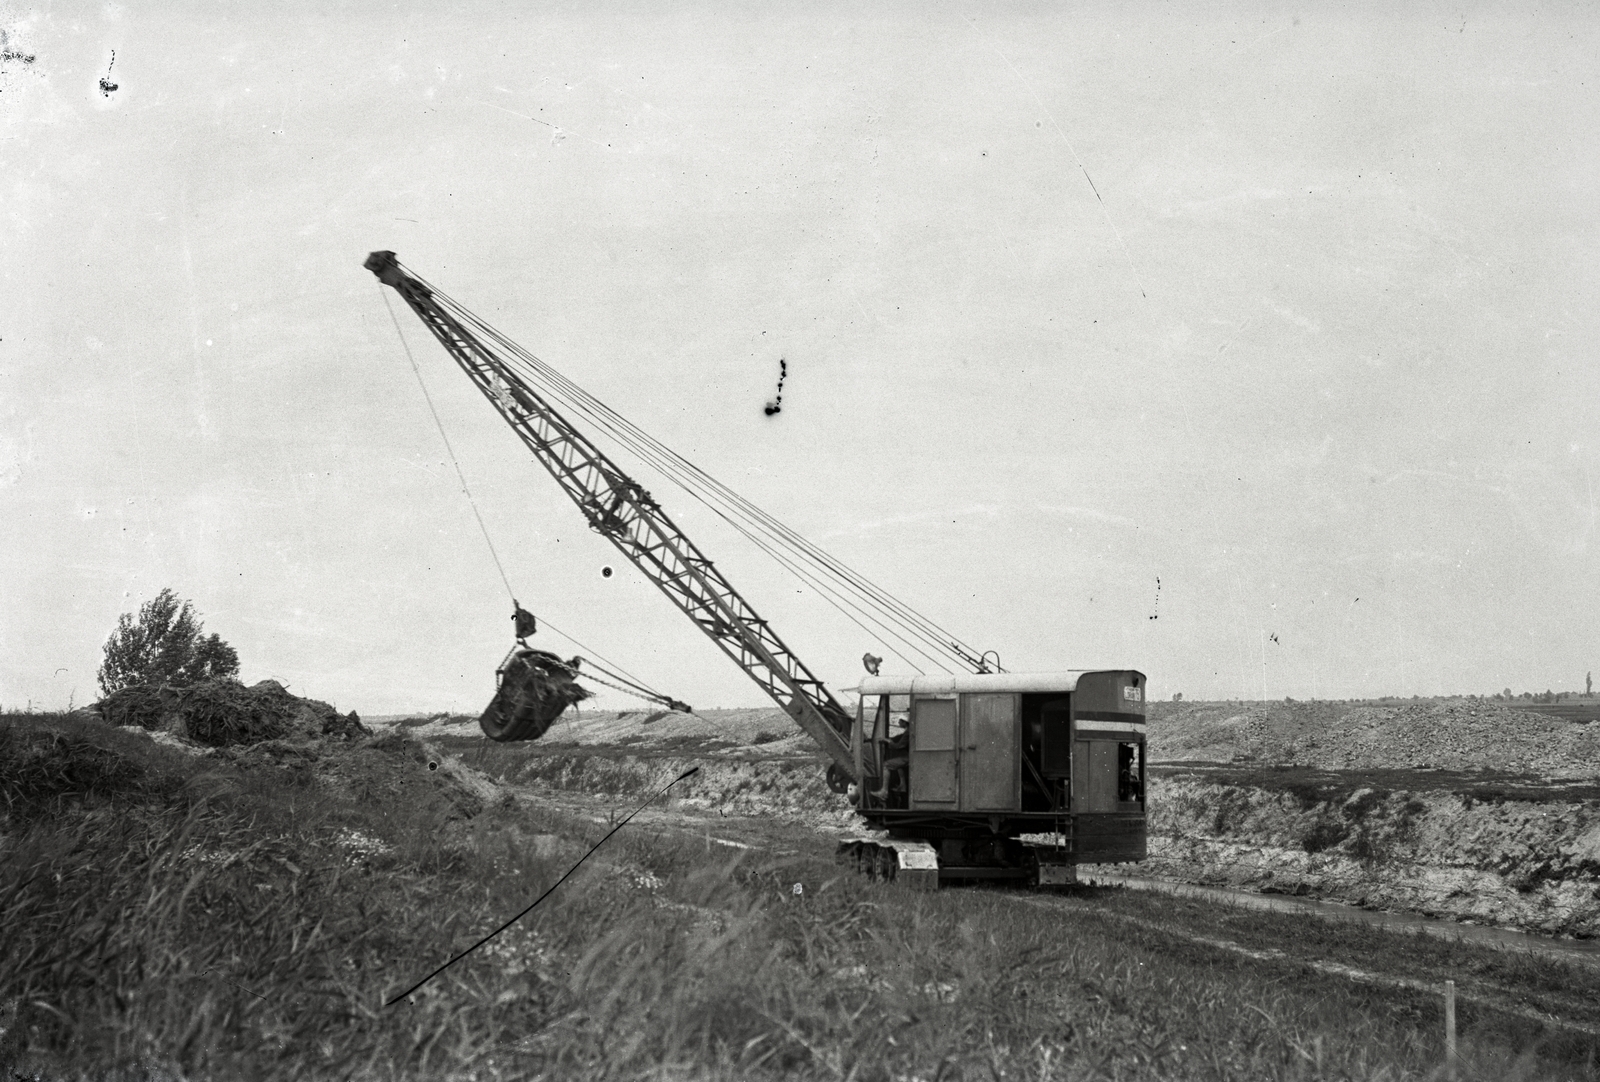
(1567, 990)
(245, 915)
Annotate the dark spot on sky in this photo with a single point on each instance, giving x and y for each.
(605, 572)
(776, 405)
(106, 85)
(8, 53)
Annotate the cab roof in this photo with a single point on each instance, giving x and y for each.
(953, 683)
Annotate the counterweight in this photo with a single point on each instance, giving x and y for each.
(622, 511)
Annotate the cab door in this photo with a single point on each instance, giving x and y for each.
(933, 753)
(989, 762)
(1094, 776)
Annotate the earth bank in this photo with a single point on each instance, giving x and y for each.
(1524, 864)
(1340, 801)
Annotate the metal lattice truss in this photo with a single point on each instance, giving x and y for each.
(617, 507)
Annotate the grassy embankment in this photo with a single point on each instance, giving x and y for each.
(245, 916)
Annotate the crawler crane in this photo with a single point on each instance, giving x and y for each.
(980, 775)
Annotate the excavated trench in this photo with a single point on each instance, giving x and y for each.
(1525, 858)
(1525, 864)
(1368, 819)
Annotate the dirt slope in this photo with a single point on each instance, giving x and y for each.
(1451, 734)
(1527, 864)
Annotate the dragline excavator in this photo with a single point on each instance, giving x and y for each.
(978, 775)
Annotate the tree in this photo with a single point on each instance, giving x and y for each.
(164, 646)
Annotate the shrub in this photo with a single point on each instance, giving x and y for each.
(164, 646)
(1323, 834)
(138, 705)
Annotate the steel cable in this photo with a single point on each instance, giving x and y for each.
(729, 505)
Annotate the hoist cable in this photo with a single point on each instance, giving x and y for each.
(874, 596)
(694, 480)
(686, 474)
(748, 530)
(810, 578)
(467, 491)
(448, 449)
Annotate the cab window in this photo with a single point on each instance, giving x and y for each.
(1130, 773)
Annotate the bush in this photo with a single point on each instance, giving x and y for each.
(164, 646)
(1323, 834)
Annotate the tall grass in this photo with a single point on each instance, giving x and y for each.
(245, 918)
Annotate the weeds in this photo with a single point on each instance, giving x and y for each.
(223, 917)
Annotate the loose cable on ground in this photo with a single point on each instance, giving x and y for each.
(687, 773)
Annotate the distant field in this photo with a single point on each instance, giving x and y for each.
(1581, 709)
(1570, 711)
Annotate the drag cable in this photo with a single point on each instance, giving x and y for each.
(687, 773)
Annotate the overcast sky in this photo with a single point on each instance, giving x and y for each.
(1289, 307)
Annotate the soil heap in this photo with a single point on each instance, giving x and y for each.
(221, 713)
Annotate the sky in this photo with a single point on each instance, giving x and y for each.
(1248, 345)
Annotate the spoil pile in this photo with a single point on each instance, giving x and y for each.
(1448, 735)
(222, 713)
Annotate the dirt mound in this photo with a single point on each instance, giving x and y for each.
(379, 769)
(221, 713)
(1452, 735)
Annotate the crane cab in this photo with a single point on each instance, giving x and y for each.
(1006, 775)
